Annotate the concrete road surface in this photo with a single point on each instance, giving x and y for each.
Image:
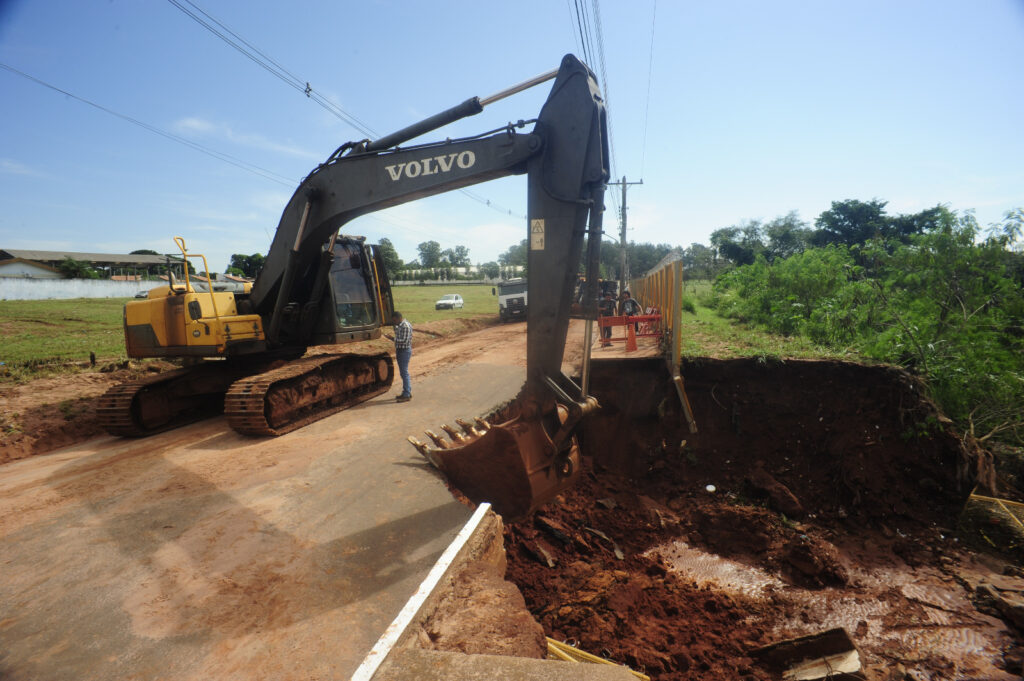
(201, 554)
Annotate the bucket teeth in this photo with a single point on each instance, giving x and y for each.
(455, 435)
(438, 440)
(481, 424)
(424, 449)
(467, 428)
(421, 447)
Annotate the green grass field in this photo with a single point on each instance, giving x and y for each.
(417, 302)
(34, 333)
(58, 331)
(42, 335)
(705, 334)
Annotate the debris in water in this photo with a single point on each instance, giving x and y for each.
(828, 655)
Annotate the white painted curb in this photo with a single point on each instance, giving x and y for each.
(390, 637)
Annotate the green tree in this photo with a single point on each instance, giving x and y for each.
(739, 244)
(76, 269)
(850, 222)
(430, 254)
(491, 270)
(902, 227)
(515, 255)
(143, 251)
(785, 236)
(392, 263)
(250, 265)
(700, 262)
(457, 257)
(642, 257)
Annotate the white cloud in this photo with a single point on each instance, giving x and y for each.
(193, 126)
(12, 167)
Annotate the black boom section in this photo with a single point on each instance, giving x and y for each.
(566, 186)
(354, 185)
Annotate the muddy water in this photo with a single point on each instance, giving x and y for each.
(892, 612)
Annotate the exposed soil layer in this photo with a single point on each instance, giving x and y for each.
(816, 495)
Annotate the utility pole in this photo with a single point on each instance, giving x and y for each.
(622, 235)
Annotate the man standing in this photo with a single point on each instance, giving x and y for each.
(629, 308)
(607, 308)
(403, 353)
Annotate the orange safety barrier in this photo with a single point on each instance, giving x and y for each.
(636, 326)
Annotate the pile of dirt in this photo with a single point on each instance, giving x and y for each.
(59, 411)
(816, 495)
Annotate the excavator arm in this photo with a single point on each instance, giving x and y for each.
(518, 461)
(565, 158)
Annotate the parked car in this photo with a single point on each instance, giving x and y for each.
(449, 301)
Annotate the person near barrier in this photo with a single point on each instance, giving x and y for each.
(629, 308)
(607, 308)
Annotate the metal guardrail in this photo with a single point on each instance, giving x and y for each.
(662, 291)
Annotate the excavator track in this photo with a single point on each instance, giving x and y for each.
(167, 400)
(304, 391)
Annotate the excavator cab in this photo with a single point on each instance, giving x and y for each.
(360, 300)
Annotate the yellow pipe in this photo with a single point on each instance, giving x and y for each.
(996, 500)
(568, 653)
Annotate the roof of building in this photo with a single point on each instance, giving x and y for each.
(11, 261)
(111, 258)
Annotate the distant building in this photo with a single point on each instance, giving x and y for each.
(49, 261)
(20, 267)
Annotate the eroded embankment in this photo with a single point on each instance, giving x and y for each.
(816, 495)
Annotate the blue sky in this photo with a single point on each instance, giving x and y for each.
(745, 110)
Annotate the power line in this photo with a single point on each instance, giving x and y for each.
(647, 106)
(572, 22)
(583, 27)
(227, 158)
(583, 41)
(604, 81)
(587, 31)
(490, 204)
(260, 58)
(263, 60)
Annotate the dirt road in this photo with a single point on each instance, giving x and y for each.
(199, 553)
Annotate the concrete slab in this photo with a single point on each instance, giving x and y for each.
(201, 554)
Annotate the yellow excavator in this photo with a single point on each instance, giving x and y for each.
(246, 350)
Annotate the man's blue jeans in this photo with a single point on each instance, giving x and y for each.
(403, 355)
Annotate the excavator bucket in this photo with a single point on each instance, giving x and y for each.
(514, 465)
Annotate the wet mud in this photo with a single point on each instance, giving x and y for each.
(816, 495)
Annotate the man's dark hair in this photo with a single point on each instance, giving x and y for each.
(396, 313)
